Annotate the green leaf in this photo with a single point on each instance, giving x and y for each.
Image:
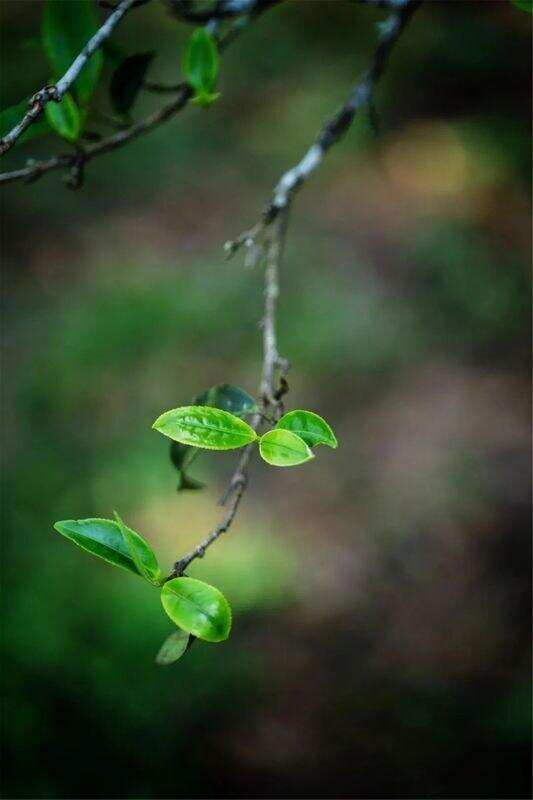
(202, 426)
(67, 27)
(127, 81)
(283, 448)
(185, 482)
(524, 5)
(141, 553)
(227, 398)
(182, 455)
(198, 608)
(173, 647)
(102, 538)
(9, 117)
(64, 117)
(205, 99)
(309, 427)
(200, 65)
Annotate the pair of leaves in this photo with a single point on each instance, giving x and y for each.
(67, 27)
(115, 543)
(198, 609)
(200, 67)
(288, 444)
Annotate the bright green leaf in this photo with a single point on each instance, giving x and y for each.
(205, 99)
(102, 538)
(524, 5)
(283, 448)
(127, 81)
(173, 647)
(200, 65)
(141, 553)
(202, 426)
(67, 27)
(227, 398)
(309, 427)
(64, 117)
(198, 608)
(11, 116)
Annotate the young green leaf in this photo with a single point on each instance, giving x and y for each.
(141, 553)
(227, 398)
(198, 608)
(200, 66)
(202, 426)
(283, 448)
(67, 27)
(64, 117)
(173, 647)
(309, 427)
(127, 81)
(102, 538)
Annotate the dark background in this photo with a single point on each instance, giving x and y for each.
(381, 593)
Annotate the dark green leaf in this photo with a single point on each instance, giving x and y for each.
(67, 27)
(127, 81)
(9, 117)
(227, 398)
(309, 427)
(64, 117)
(182, 455)
(185, 482)
(173, 647)
(283, 448)
(141, 553)
(198, 608)
(102, 538)
(202, 426)
(200, 63)
(524, 5)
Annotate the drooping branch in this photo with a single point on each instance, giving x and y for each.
(271, 390)
(360, 97)
(56, 92)
(266, 241)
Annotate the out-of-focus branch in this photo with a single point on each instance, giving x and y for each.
(218, 10)
(183, 93)
(272, 388)
(360, 97)
(55, 92)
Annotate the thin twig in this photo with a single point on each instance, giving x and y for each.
(270, 393)
(360, 97)
(56, 92)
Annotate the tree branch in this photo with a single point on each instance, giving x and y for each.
(266, 239)
(270, 390)
(361, 96)
(55, 93)
(36, 169)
